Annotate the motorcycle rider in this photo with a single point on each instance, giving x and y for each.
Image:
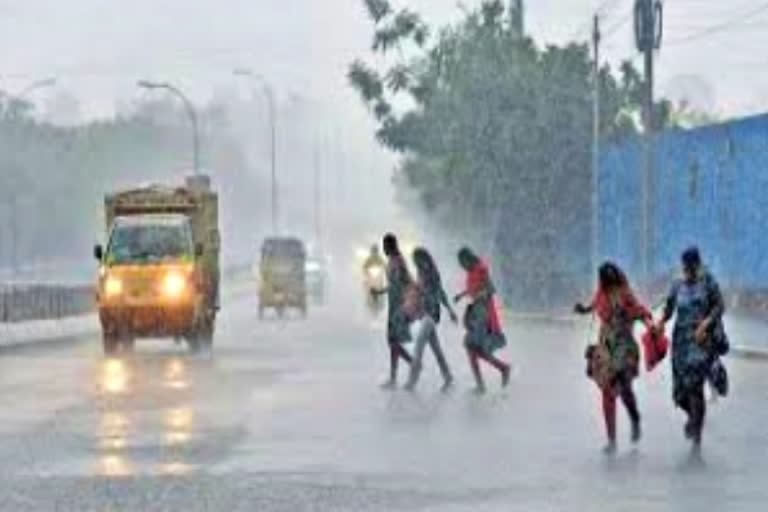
(374, 259)
(374, 278)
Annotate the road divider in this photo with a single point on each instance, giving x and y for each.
(45, 313)
(23, 302)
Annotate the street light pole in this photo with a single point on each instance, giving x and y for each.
(46, 82)
(191, 113)
(270, 97)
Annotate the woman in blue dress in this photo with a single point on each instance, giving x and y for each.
(698, 338)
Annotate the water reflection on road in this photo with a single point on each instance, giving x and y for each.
(147, 414)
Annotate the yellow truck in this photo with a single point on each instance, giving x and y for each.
(159, 272)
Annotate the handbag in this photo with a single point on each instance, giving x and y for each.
(599, 366)
(718, 377)
(655, 348)
(721, 345)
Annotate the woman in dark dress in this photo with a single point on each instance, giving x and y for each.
(398, 324)
(698, 338)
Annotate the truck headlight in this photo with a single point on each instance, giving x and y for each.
(174, 285)
(113, 286)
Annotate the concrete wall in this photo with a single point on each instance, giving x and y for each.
(711, 191)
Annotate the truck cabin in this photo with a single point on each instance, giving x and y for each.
(148, 239)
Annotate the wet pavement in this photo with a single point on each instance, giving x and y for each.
(288, 416)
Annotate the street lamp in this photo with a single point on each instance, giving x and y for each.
(145, 84)
(40, 84)
(270, 96)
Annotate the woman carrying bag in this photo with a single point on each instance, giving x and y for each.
(613, 362)
(698, 340)
(484, 334)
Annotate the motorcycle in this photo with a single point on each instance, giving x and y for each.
(374, 282)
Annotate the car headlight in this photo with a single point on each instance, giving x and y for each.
(112, 286)
(174, 285)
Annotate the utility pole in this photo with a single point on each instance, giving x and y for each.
(14, 218)
(269, 94)
(595, 141)
(316, 199)
(648, 35)
(273, 158)
(517, 17)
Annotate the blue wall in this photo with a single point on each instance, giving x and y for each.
(711, 190)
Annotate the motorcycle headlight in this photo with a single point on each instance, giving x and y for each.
(375, 272)
(174, 285)
(113, 286)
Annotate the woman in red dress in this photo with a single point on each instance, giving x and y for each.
(481, 319)
(617, 308)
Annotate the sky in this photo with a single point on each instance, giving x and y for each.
(99, 48)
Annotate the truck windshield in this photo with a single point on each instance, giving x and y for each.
(149, 243)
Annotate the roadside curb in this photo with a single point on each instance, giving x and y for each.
(17, 336)
(738, 352)
(754, 354)
(542, 317)
(18, 346)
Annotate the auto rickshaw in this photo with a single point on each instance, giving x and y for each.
(282, 269)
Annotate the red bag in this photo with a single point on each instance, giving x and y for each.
(655, 347)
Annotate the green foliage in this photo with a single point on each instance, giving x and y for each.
(496, 132)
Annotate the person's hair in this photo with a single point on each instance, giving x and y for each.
(390, 245)
(425, 264)
(611, 276)
(691, 259)
(467, 258)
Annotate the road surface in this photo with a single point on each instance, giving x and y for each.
(287, 416)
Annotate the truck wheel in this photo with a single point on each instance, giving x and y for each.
(110, 343)
(206, 333)
(128, 343)
(194, 341)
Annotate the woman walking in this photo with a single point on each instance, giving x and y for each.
(617, 308)
(424, 305)
(481, 319)
(698, 338)
(398, 330)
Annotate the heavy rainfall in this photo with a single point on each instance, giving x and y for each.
(383, 255)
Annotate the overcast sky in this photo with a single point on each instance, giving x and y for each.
(98, 48)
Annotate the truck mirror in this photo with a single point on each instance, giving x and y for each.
(98, 252)
(199, 249)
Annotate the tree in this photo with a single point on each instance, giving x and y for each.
(496, 134)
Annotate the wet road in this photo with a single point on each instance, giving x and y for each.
(288, 416)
